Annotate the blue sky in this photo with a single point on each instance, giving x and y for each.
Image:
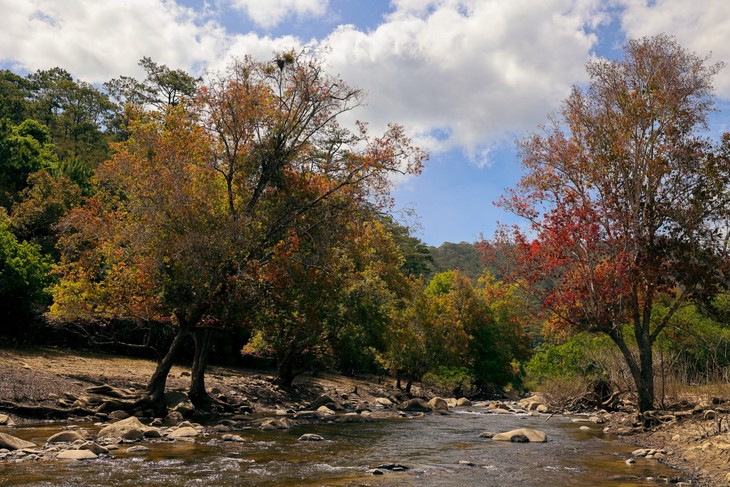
(465, 77)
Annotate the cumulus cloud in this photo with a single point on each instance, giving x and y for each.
(269, 13)
(699, 25)
(99, 39)
(471, 72)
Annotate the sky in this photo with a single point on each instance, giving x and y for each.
(466, 78)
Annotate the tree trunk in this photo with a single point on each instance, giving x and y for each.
(645, 386)
(198, 395)
(642, 371)
(285, 369)
(156, 386)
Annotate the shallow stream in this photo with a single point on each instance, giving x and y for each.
(431, 447)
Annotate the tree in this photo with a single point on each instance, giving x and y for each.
(76, 113)
(161, 88)
(625, 199)
(24, 278)
(24, 149)
(201, 197)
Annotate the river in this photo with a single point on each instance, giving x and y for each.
(431, 448)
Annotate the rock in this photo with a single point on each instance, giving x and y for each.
(233, 438)
(533, 436)
(463, 402)
(377, 471)
(487, 434)
(310, 437)
(467, 463)
(519, 439)
(630, 461)
(94, 448)
(279, 423)
(76, 455)
(5, 420)
(324, 411)
(178, 401)
(10, 442)
(64, 437)
(585, 428)
(383, 401)
(438, 404)
(152, 433)
(172, 418)
(137, 449)
(118, 414)
(128, 429)
(221, 428)
(324, 400)
(414, 405)
(184, 432)
(133, 435)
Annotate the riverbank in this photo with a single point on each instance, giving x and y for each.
(698, 444)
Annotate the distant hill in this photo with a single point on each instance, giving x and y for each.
(462, 256)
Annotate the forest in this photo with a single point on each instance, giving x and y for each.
(237, 218)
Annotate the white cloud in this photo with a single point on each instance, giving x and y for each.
(475, 71)
(96, 40)
(269, 13)
(700, 25)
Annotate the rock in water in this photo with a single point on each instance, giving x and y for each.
(76, 455)
(533, 436)
(11, 442)
(310, 437)
(65, 437)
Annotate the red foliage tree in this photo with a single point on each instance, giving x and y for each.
(626, 200)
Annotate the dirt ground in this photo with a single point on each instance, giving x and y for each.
(698, 444)
(43, 376)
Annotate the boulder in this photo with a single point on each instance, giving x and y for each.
(487, 434)
(310, 437)
(118, 414)
(128, 429)
(531, 435)
(172, 418)
(5, 420)
(94, 448)
(277, 424)
(414, 405)
(438, 404)
(10, 442)
(76, 455)
(65, 437)
(324, 400)
(137, 449)
(324, 411)
(184, 432)
(383, 401)
(179, 402)
(463, 402)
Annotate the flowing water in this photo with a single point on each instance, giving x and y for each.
(431, 447)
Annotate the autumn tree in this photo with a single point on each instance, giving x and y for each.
(328, 298)
(626, 200)
(202, 196)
